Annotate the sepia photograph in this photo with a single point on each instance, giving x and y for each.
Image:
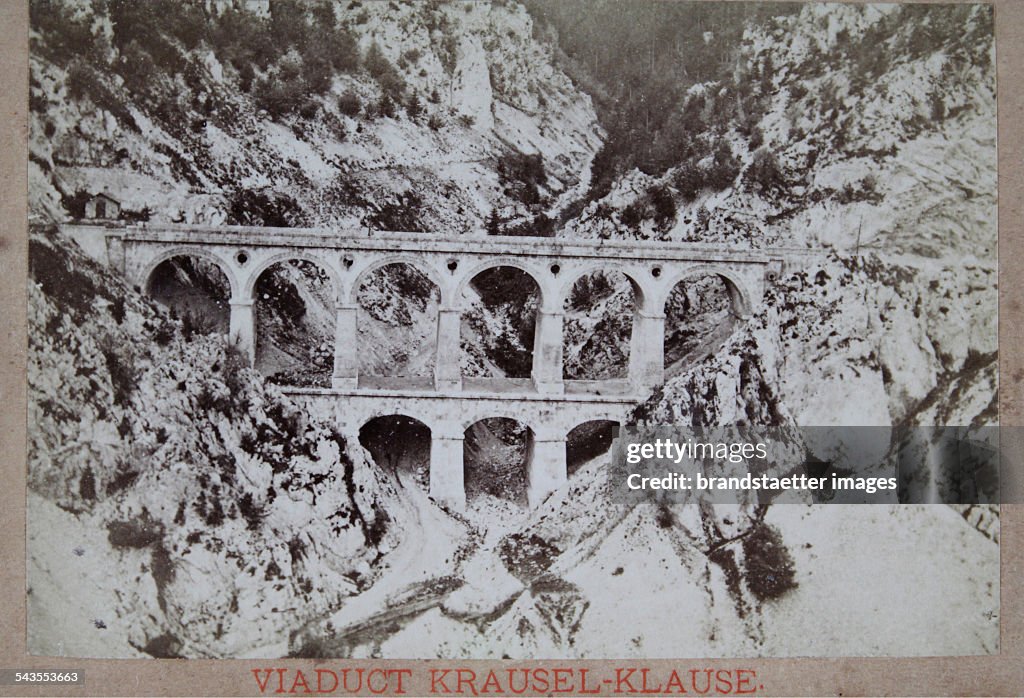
(337, 310)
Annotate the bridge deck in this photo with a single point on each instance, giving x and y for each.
(414, 393)
(495, 386)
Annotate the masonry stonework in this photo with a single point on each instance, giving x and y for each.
(549, 405)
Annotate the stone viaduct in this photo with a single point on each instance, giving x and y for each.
(548, 404)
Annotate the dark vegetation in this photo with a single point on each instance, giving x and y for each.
(522, 175)
(399, 212)
(154, 60)
(163, 646)
(725, 558)
(589, 290)
(767, 564)
(541, 225)
(639, 72)
(493, 223)
(656, 204)
(526, 557)
(264, 208)
(387, 75)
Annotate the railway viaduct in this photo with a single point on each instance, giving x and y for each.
(550, 405)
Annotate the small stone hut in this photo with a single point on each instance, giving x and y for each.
(103, 207)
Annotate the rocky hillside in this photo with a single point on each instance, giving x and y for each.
(869, 130)
(397, 116)
(851, 342)
(857, 127)
(159, 461)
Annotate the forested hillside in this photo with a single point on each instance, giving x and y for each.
(639, 71)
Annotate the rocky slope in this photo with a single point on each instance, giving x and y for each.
(871, 131)
(227, 516)
(200, 142)
(844, 126)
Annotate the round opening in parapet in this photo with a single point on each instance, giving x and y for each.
(453, 264)
(555, 269)
(656, 272)
(242, 257)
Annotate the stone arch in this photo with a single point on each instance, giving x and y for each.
(294, 319)
(196, 286)
(740, 295)
(253, 277)
(146, 275)
(641, 294)
(700, 307)
(588, 440)
(494, 462)
(600, 356)
(399, 443)
(509, 413)
(418, 264)
(515, 354)
(547, 293)
(398, 334)
(396, 407)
